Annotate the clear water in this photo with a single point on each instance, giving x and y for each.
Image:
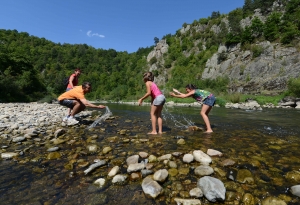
(102, 118)
(271, 135)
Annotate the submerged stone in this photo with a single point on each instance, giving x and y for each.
(54, 155)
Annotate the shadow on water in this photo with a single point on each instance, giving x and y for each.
(264, 142)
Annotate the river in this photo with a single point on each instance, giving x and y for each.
(264, 142)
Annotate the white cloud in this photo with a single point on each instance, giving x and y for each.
(90, 34)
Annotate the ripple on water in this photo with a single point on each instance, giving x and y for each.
(267, 149)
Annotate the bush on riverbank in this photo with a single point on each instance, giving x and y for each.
(294, 87)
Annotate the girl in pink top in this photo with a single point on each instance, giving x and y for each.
(157, 102)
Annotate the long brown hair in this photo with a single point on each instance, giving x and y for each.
(148, 76)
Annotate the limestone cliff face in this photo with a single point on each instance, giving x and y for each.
(250, 72)
(158, 51)
(267, 73)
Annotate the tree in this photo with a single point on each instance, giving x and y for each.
(257, 27)
(215, 14)
(271, 26)
(234, 18)
(290, 31)
(248, 7)
(156, 40)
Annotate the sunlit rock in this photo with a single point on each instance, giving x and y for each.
(188, 158)
(213, 189)
(151, 187)
(100, 182)
(196, 192)
(203, 170)
(160, 175)
(114, 171)
(201, 157)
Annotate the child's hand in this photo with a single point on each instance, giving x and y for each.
(176, 91)
(140, 101)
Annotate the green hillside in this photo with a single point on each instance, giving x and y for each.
(33, 68)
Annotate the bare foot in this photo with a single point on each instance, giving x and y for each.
(160, 133)
(152, 133)
(208, 132)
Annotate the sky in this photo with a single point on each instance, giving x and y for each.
(122, 25)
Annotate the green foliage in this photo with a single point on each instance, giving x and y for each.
(247, 36)
(156, 40)
(220, 101)
(234, 97)
(222, 57)
(168, 63)
(203, 21)
(218, 85)
(271, 26)
(153, 60)
(294, 87)
(256, 27)
(215, 14)
(292, 14)
(234, 18)
(248, 7)
(257, 50)
(31, 67)
(290, 33)
(232, 39)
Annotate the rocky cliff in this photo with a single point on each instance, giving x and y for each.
(266, 72)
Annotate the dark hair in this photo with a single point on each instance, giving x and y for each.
(148, 76)
(77, 69)
(85, 84)
(191, 86)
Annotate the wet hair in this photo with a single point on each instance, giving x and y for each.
(148, 76)
(85, 84)
(191, 86)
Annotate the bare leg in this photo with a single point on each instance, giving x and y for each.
(69, 111)
(78, 107)
(159, 119)
(153, 119)
(204, 113)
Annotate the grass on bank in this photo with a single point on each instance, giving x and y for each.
(222, 99)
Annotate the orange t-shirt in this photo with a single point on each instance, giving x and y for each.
(75, 93)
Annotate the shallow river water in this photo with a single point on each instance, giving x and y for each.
(267, 143)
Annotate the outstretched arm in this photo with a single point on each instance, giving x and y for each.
(88, 104)
(181, 95)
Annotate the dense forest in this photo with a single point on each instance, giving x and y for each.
(33, 68)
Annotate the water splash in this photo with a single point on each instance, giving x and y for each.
(167, 115)
(102, 118)
(179, 124)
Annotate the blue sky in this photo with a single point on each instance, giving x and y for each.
(120, 25)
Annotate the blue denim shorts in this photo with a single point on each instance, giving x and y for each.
(210, 100)
(159, 100)
(67, 103)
